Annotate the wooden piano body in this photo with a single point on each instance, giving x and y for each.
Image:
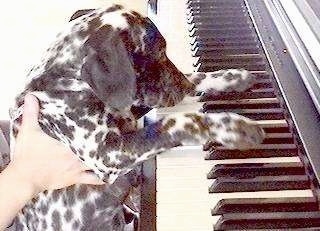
(273, 187)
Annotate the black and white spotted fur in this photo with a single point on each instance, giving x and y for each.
(99, 66)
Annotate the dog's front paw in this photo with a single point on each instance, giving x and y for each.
(235, 131)
(230, 80)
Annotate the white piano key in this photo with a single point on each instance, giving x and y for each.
(183, 200)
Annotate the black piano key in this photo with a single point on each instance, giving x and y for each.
(255, 114)
(218, 66)
(212, 39)
(260, 183)
(215, 105)
(265, 205)
(262, 151)
(279, 138)
(231, 59)
(246, 104)
(220, 31)
(216, 12)
(249, 170)
(251, 94)
(271, 138)
(280, 220)
(221, 19)
(263, 84)
(210, 67)
(218, 36)
(284, 129)
(227, 56)
(208, 24)
(214, 4)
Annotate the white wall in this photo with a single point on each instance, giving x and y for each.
(27, 27)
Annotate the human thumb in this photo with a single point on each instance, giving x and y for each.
(30, 112)
(89, 178)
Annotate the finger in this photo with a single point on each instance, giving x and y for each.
(30, 112)
(78, 164)
(89, 178)
(83, 167)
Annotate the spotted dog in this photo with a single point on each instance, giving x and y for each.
(104, 63)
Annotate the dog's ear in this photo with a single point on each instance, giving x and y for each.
(108, 69)
(79, 13)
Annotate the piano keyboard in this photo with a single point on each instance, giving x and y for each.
(195, 188)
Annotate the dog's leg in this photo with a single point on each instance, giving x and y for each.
(229, 80)
(229, 129)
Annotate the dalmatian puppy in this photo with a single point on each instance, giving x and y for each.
(105, 62)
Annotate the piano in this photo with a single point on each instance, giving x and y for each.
(272, 187)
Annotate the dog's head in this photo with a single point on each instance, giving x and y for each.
(129, 64)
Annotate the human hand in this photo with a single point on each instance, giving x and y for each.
(41, 162)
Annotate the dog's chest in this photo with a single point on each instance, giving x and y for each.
(74, 208)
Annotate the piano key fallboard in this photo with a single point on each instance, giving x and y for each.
(272, 187)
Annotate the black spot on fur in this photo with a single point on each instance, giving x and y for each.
(226, 141)
(98, 137)
(18, 225)
(88, 125)
(43, 83)
(92, 154)
(56, 195)
(231, 76)
(113, 140)
(87, 212)
(65, 82)
(106, 200)
(106, 160)
(116, 221)
(69, 194)
(56, 220)
(66, 39)
(106, 176)
(111, 121)
(114, 8)
(76, 225)
(73, 116)
(44, 224)
(64, 129)
(73, 149)
(213, 134)
(44, 208)
(82, 192)
(68, 215)
(80, 151)
(226, 120)
(218, 125)
(59, 47)
(93, 25)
